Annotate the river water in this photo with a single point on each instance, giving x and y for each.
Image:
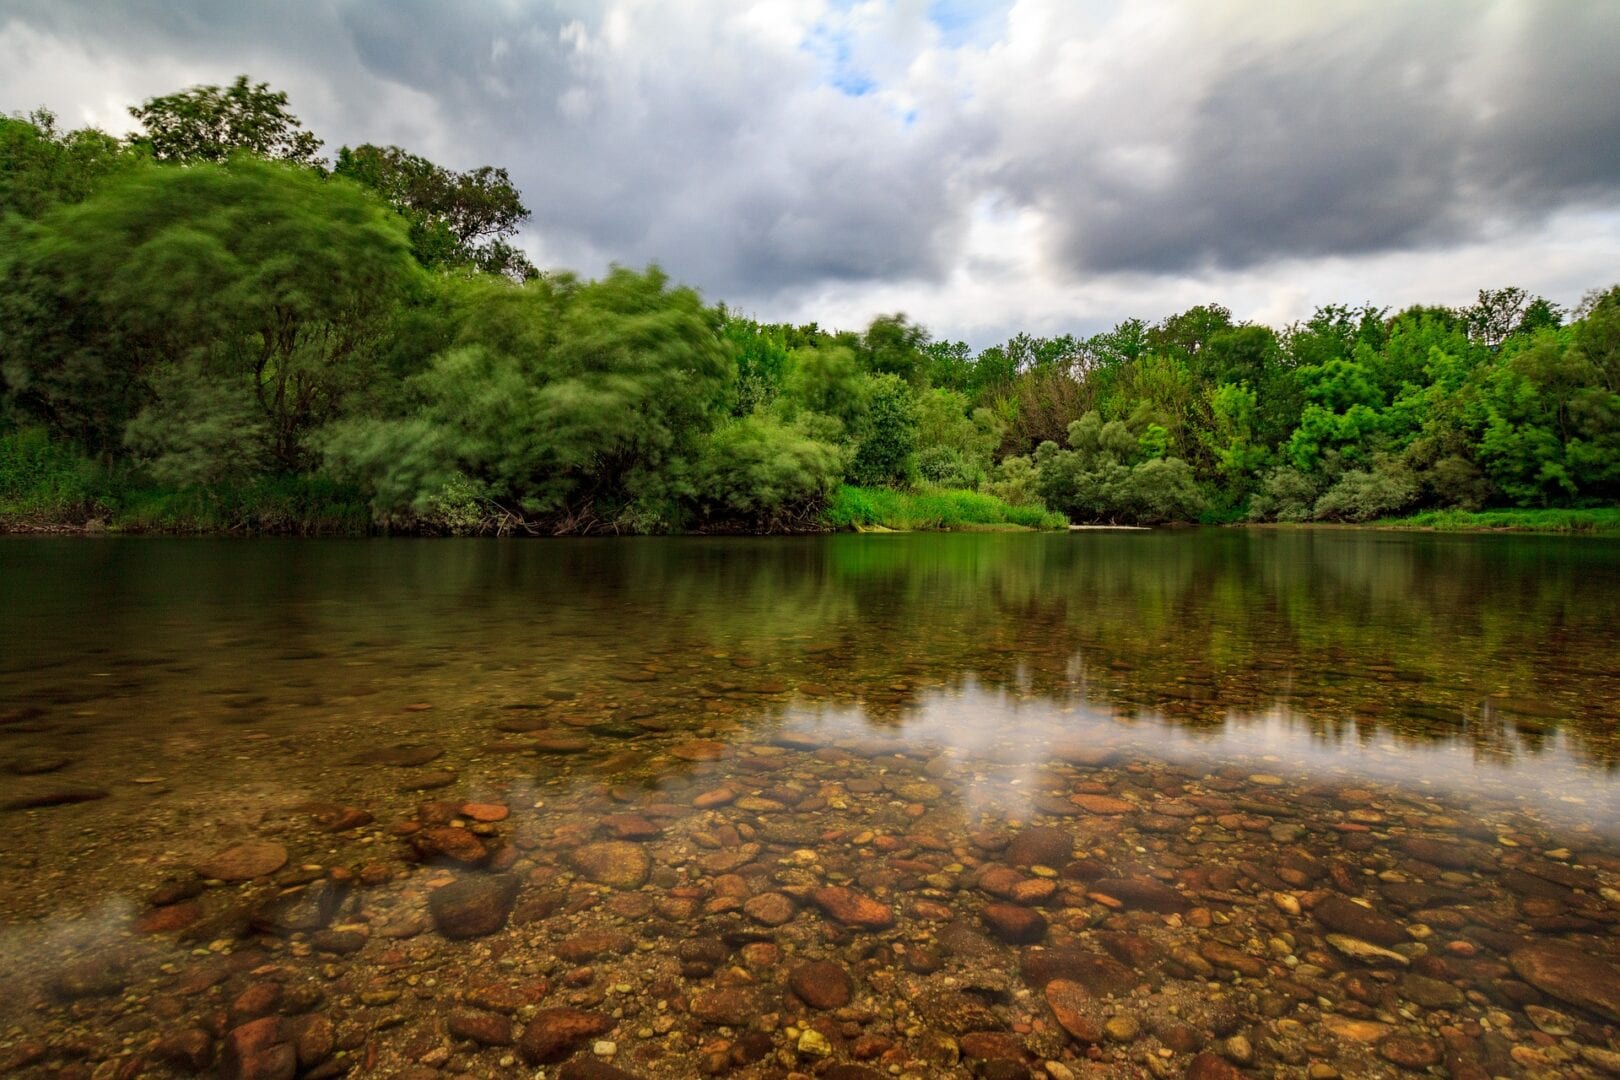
(1204, 803)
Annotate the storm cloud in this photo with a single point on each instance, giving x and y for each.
(982, 165)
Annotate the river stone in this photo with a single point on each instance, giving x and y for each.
(259, 1050)
(1102, 804)
(1014, 924)
(699, 750)
(448, 842)
(473, 906)
(1366, 952)
(852, 908)
(1210, 1066)
(484, 1028)
(308, 909)
(244, 862)
(584, 1068)
(728, 1006)
(1572, 975)
(1341, 914)
(821, 984)
(554, 1033)
(1041, 846)
(1430, 993)
(60, 796)
(770, 909)
(1077, 1010)
(1409, 1051)
(1101, 973)
(37, 764)
(1142, 892)
(618, 863)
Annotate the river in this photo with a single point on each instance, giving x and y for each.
(1277, 802)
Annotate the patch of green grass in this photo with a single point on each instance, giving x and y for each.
(48, 485)
(44, 482)
(931, 508)
(286, 505)
(1600, 520)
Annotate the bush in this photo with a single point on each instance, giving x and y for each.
(1285, 494)
(1362, 496)
(945, 466)
(48, 480)
(1014, 482)
(857, 507)
(1095, 480)
(887, 433)
(1161, 490)
(765, 474)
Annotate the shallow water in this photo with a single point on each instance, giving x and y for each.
(1101, 800)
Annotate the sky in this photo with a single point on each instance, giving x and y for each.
(986, 167)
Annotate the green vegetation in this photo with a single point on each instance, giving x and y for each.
(888, 508)
(208, 326)
(1602, 521)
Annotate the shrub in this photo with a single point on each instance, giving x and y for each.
(1362, 496)
(1285, 494)
(765, 474)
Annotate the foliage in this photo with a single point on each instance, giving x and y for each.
(250, 299)
(44, 480)
(1104, 476)
(200, 327)
(457, 219)
(41, 167)
(1364, 495)
(573, 406)
(211, 123)
(886, 434)
(764, 474)
(865, 508)
(1604, 521)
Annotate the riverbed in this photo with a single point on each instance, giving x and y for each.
(1208, 803)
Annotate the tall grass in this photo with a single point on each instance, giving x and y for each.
(1599, 520)
(938, 508)
(47, 484)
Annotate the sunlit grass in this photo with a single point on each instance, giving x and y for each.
(1601, 520)
(867, 507)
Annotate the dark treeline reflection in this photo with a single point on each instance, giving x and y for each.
(1502, 642)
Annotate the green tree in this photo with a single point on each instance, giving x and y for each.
(210, 123)
(41, 167)
(886, 435)
(1100, 477)
(252, 289)
(456, 218)
(566, 406)
(893, 345)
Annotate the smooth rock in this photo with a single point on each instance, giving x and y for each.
(244, 862)
(1572, 975)
(617, 863)
(821, 984)
(554, 1033)
(474, 905)
(853, 908)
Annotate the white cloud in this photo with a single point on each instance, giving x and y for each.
(1046, 164)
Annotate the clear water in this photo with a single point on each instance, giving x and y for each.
(943, 691)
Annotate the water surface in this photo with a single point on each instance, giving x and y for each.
(1073, 781)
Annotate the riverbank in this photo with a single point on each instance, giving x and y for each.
(1600, 521)
(312, 507)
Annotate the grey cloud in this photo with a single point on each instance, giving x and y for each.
(683, 137)
(1408, 131)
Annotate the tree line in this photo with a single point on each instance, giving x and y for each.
(210, 306)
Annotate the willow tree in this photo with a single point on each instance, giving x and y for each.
(208, 316)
